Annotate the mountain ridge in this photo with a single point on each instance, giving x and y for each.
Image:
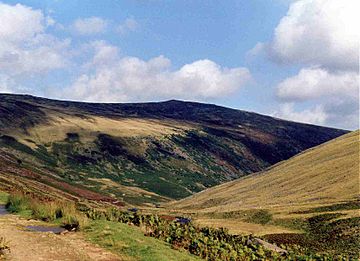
(171, 148)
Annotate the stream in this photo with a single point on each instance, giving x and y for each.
(3, 210)
(55, 230)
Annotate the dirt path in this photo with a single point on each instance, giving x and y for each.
(38, 246)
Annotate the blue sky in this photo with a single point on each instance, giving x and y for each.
(276, 57)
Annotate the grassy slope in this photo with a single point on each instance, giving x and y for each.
(309, 200)
(147, 152)
(130, 241)
(326, 174)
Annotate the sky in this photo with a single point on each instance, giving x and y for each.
(296, 60)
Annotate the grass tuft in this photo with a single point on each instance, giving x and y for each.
(61, 212)
(4, 246)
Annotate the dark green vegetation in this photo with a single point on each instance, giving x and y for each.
(327, 233)
(142, 153)
(260, 216)
(335, 207)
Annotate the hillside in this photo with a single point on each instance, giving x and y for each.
(326, 174)
(140, 153)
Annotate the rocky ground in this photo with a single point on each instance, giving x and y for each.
(37, 246)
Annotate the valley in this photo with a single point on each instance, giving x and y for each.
(236, 176)
(146, 153)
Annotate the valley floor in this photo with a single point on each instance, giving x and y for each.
(29, 245)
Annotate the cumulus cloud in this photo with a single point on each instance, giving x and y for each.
(336, 95)
(102, 54)
(316, 115)
(131, 78)
(343, 113)
(25, 48)
(6, 84)
(335, 112)
(29, 54)
(312, 83)
(256, 50)
(323, 36)
(89, 26)
(130, 24)
(319, 32)
(19, 22)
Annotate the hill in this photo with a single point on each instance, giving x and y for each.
(326, 174)
(310, 200)
(140, 153)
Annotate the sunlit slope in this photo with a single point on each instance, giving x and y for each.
(146, 153)
(326, 174)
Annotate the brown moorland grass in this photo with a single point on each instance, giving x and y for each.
(323, 176)
(326, 174)
(89, 127)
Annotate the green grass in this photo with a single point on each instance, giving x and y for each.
(130, 241)
(59, 212)
(261, 216)
(18, 203)
(3, 197)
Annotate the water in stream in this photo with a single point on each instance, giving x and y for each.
(3, 210)
(55, 230)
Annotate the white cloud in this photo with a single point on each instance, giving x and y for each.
(336, 95)
(343, 113)
(256, 50)
(323, 35)
(133, 79)
(312, 83)
(338, 113)
(19, 23)
(89, 26)
(25, 48)
(316, 115)
(130, 24)
(6, 84)
(319, 32)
